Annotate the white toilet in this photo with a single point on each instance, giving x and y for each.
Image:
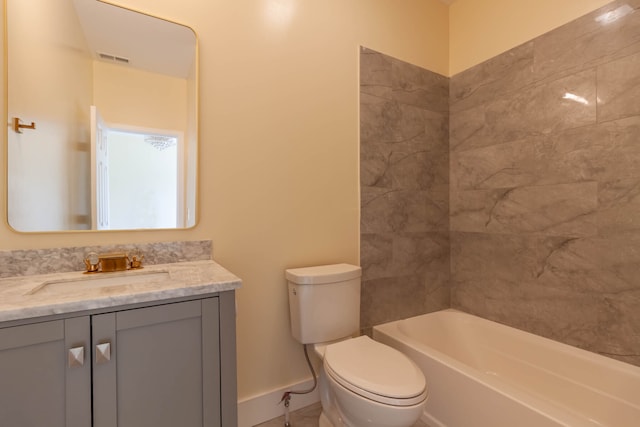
(362, 382)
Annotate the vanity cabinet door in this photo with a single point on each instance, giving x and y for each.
(45, 374)
(157, 366)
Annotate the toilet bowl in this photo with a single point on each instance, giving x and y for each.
(366, 383)
(363, 383)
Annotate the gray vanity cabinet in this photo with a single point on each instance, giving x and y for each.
(157, 366)
(38, 387)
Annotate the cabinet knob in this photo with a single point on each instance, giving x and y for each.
(103, 353)
(75, 357)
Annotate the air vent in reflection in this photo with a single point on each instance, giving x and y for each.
(114, 58)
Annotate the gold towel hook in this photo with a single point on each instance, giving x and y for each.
(17, 126)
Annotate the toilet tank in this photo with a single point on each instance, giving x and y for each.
(324, 302)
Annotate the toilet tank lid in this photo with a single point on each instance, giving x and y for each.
(323, 274)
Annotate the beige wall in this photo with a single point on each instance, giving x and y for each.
(129, 96)
(47, 166)
(482, 29)
(279, 147)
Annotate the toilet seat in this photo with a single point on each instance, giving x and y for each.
(375, 371)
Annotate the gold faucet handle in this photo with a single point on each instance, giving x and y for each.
(135, 260)
(92, 262)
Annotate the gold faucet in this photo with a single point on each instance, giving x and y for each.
(112, 262)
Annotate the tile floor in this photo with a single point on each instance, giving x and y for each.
(307, 417)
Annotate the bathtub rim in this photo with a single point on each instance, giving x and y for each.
(564, 347)
(559, 413)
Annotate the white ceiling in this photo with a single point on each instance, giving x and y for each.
(149, 43)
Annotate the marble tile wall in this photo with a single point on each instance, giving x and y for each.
(404, 179)
(58, 260)
(545, 184)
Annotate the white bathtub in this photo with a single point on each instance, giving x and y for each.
(484, 374)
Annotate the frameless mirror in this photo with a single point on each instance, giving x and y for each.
(102, 118)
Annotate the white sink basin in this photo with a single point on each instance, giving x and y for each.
(98, 280)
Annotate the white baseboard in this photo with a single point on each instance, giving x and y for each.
(264, 407)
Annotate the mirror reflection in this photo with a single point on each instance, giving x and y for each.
(102, 118)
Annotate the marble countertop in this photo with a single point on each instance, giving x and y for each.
(26, 297)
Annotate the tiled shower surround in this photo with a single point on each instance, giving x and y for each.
(544, 175)
(404, 175)
(545, 184)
